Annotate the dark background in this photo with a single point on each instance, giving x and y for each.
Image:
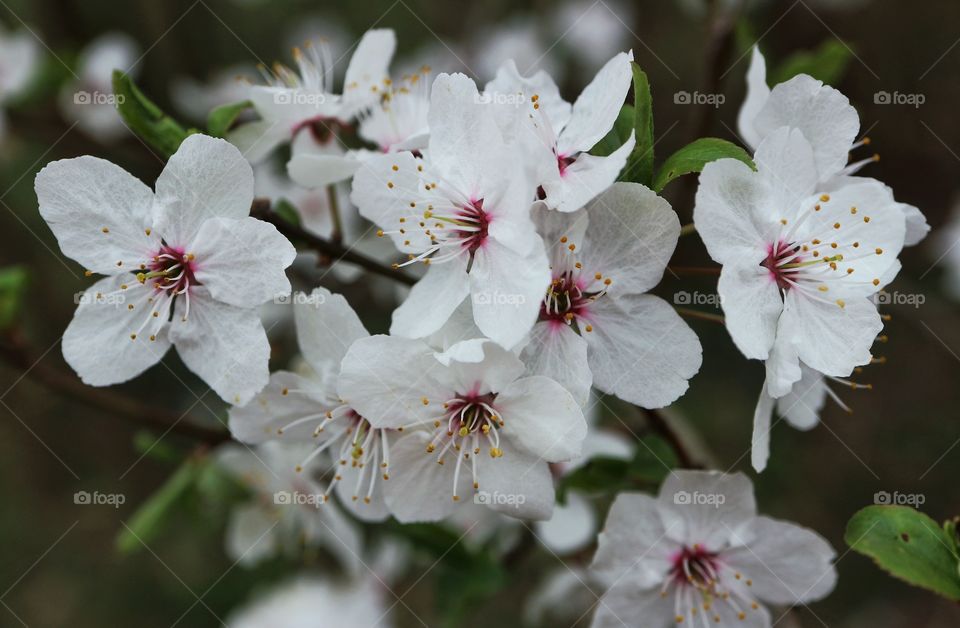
(58, 564)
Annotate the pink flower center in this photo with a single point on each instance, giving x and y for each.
(171, 270)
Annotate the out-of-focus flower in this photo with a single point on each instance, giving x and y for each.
(90, 101)
(197, 99)
(301, 106)
(19, 59)
(699, 552)
(313, 602)
(306, 408)
(286, 510)
(186, 266)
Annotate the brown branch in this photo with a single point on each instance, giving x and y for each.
(713, 271)
(660, 425)
(704, 316)
(327, 248)
(16, 351)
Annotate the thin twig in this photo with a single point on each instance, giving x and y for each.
(336, 252)
(16, 351)
(704, 316)
(713, 271)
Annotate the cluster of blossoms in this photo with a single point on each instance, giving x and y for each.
(538, 264)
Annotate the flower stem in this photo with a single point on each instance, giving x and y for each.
(688, 229)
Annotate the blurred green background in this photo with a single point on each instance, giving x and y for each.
(59, 565)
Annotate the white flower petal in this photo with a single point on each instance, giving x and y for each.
(319, 170)
(542, 417)
(625, 604)
(631, 237)
(368, 68)
(507, 288)
(518, 484)
(383, 188)
(559, 230)
(286, 398)
(801, 406)
(787, 563)
(571, 528)
(641, 350)
(633, 546)
(206, 178)
(97, 343)
(251, 534)
(830, 338)
(585, 178)
(692, 505)
(783, 364)
(730, 212)
(257, 139)
(355, 498)
(419, 489)
(751, 305)
(386, 378)
(556, 351)
(597, 107)
(510, 83)
(242, 261)
(785, 162)
(480, 366)
(326, 327)
(824, 116)
(99, 213)
(757, 94)
(432, 300)
(760, 441)
(465, 142)
(225, 345)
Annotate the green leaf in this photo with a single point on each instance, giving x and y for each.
(908, 544)
(827, 63)
(640, 162)
(222, 118)
(146, 119)
(619, 134)
(287, 211)
(694, 156)
(652, 461)
(156, 512)
(13, 286)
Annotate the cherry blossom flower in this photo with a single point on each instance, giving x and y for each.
(286, 510)
(700, 553)
(559, 135)
(307, 409)
(597, 326)
(89, 101)
(827, 120)
(310, 601)
(481, 429)
(185, 266)
(798, 266)
(463, 209)
(395, 122)
(302, 106)
(19, 60)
